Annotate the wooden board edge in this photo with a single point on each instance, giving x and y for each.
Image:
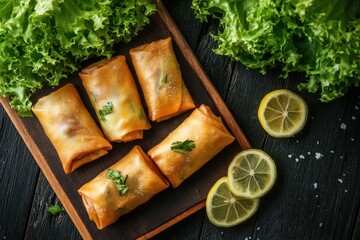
(173, 221)
(42, 163)
(197, 68)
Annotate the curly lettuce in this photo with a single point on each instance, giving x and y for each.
(43, 41)
(318, 37)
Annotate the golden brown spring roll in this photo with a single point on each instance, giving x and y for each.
(104, 202)
(110, 86)
(209, 136)
(160, 79)
(74, 134)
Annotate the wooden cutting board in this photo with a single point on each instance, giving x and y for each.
(166, 208)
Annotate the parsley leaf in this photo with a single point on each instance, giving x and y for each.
(119, 181)
(183, 147)
(55, 209)
(107, 109)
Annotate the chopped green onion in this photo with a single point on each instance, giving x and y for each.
(55, 209)
(119, 181)
(183, 147)
(107, 109)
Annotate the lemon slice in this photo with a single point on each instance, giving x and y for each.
(282, 113)
(224, 209)
(251, 173)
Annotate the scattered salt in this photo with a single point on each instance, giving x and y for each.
(352, 139)
(346, 190)
(332, 151)
(258, 228)
(315, 185)
(246, 238)
(317, 142)
(312, 117)
(344, 174)
(302, 157)
(356, 107)
(297, 141)
(340, 180)
(320, 225)
(353, 118)
(296, 159)
(318, 155)
(290, 156)
(343, 126)
(308, 153)
(316, 196)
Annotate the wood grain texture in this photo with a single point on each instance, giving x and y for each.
(43, 225)
(18, 177)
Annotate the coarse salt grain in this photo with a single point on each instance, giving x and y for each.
(296, 159)
(315, 185)
(302, 157)
(343, 126)
(340, 180)
(318, 155)
(353, 118)
(356, 107)
(290, 156)
(320, 225)
(332, 151)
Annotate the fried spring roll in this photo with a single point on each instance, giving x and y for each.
(209, 136)
(70, 128)
(160, 78)
(110, 85)
(102, 199)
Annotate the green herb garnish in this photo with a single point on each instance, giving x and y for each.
(55, 209)
(107, 109)
(119, 181)
(183, 147)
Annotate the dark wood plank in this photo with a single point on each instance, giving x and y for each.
(43, 225)
(18, 177)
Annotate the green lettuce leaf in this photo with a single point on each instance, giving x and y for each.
(43, 41)
(318, 37)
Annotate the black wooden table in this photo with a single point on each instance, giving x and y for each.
(316, 196)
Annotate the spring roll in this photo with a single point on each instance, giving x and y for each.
(192, 144)
(106, 201)
(160, 79)
(115, 98)
(70, 128)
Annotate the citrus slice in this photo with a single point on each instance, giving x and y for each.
(251, 173)
(224, 209)
(282, 113)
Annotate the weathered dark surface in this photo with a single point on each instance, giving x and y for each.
(316, 195)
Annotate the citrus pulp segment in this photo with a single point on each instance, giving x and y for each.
(224, 209)
(251, 174)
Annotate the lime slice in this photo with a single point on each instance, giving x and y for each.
(282, 113)
(224, 209)
(251, 173)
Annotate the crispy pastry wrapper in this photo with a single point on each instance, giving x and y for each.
(210, 136)
(110, 81)
(70, 128)
(101, 198)
(160, 79)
